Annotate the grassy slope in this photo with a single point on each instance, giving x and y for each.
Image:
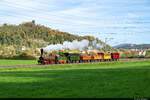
(17, 62)
(111, 80)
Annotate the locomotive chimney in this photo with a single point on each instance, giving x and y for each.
(41, 52)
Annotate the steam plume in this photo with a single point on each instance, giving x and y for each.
(73, 45)
(68, 45)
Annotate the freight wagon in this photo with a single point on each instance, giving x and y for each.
(72, 57)
(107, 57)
(115, 56)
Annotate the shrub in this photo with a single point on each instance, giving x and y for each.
(1, 57)
(24, 56)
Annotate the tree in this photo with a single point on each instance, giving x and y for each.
(33, 21)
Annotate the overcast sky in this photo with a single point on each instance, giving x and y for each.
(127, 20)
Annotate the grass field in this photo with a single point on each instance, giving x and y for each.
(105, 80)
(17, 62)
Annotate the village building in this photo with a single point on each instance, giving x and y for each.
(23, 48)
(141, 53)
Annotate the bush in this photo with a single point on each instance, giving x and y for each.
(92, 53)
(141, 56)
(1, 57)
(24, 56)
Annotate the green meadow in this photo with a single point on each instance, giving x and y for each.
(6, 62)
(104, 80)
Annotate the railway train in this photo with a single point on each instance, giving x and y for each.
(77, 58)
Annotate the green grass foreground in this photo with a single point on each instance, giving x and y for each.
(16, 62)
(105, 80)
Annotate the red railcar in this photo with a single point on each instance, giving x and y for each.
(115, 56)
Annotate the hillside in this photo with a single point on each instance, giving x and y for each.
(33, 36)
(133, 46)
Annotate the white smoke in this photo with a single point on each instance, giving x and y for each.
(97, 45)
(73, 45)
(94, 42)
(90, 48)
(68, 45)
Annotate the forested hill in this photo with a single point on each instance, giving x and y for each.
(32, 36)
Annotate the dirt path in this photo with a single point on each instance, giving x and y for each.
(121, 60)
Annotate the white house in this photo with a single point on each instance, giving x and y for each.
(141, 53)
(23, 48)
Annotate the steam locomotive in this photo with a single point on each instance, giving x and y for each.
(77, 58)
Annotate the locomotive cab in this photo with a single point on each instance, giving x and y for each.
(47, 60)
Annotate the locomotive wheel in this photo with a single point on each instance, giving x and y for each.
(68, 62)
(52, 62)
(44, 62)
(80, 61)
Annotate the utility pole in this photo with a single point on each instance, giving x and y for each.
(107, 40)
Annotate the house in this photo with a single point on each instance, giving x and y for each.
(23, 48)
(141, 53)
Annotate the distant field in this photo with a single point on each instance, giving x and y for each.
(16, 62)
(104, 80)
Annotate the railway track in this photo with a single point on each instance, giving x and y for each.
(32, 65)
